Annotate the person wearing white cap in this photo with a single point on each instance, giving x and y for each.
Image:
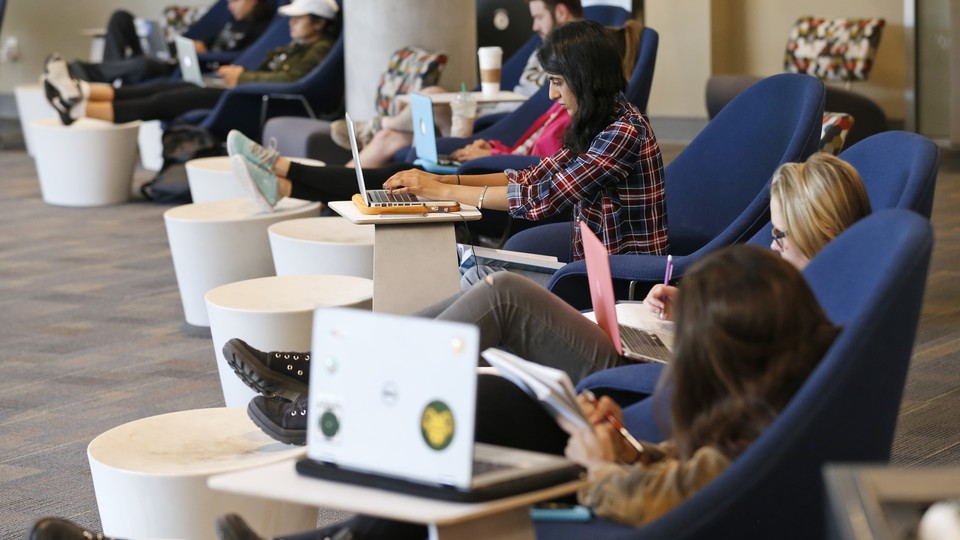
(314, 27)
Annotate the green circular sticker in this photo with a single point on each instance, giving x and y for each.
(329, 424)
(437, 425)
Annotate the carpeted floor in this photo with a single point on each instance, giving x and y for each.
(92, 336)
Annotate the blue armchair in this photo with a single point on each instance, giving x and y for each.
(245, 107)
(716, 189)
(845, 412)
(899, 170)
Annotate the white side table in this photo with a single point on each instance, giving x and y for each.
(211, 178)
(88, 163)
(220, 242)
(322, 245)
(274, 314)
(150, 476)
(507, 518)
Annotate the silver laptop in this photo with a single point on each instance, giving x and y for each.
(377, 197)
(630, 341)
(152, 40)
(425, 137)
(397, 412)
(190, 65)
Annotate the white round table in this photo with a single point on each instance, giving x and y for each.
(150, 476)
(220, 242)
(275, 314)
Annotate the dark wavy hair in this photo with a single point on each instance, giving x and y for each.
(749, 332)
(585, 54)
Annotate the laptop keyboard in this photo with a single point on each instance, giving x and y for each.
(485, 467)
(384, 196)
(642, 342)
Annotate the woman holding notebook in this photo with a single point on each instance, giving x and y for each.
(749, 331)
(314, 27)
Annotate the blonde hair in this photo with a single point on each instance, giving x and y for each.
(818, 199)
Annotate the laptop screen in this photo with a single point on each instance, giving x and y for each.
(601, 285)
(189, 62)
(356, 160)
(393, 395)
(424, 129)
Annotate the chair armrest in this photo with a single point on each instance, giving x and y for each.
(552, 239)
(639, 380)
(487, 120)
(496, 164)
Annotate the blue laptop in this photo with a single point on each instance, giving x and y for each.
(425, 137)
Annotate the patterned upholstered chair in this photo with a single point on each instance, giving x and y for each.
(408, 70)
(834, 131)
(833, 50)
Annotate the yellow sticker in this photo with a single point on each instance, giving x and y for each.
(437, 425)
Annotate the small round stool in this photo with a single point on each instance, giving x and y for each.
(221, 242)
(31, 105)
(150, 476)
(88, 163)
(322, 245)
(211, 178)
(275, 314)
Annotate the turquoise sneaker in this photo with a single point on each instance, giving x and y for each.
(239, 144)
(261, 184)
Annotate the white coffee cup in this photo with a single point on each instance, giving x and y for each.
(491, 59)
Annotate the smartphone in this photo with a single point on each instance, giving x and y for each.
(442, 206)
(560, 512)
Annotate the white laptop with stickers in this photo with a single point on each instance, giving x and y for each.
(397, 412)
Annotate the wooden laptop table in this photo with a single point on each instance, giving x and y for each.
(504, 519)
(415, 260)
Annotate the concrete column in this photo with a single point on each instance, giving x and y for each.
(374, 29)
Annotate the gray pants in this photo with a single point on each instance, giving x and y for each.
(518, 314)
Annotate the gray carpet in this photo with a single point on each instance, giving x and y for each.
(93, 336)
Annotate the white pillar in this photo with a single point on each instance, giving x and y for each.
(374, 29)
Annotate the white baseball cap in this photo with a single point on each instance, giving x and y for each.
(324, 8)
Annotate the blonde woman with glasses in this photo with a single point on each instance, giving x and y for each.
(810, 204)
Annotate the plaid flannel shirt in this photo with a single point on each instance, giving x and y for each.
(616, 187)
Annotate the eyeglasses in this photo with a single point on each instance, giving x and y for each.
(778, 236)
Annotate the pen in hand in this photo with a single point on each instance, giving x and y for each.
(615, 423)
(666, 283)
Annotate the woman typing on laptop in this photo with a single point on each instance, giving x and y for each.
(314, 26)
(609, 169)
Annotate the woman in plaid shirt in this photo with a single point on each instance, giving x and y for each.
(609, 169)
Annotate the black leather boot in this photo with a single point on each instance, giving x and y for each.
(62, 529)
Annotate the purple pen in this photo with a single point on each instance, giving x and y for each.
(666, 282)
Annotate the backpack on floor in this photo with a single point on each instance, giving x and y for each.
(181, 143)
